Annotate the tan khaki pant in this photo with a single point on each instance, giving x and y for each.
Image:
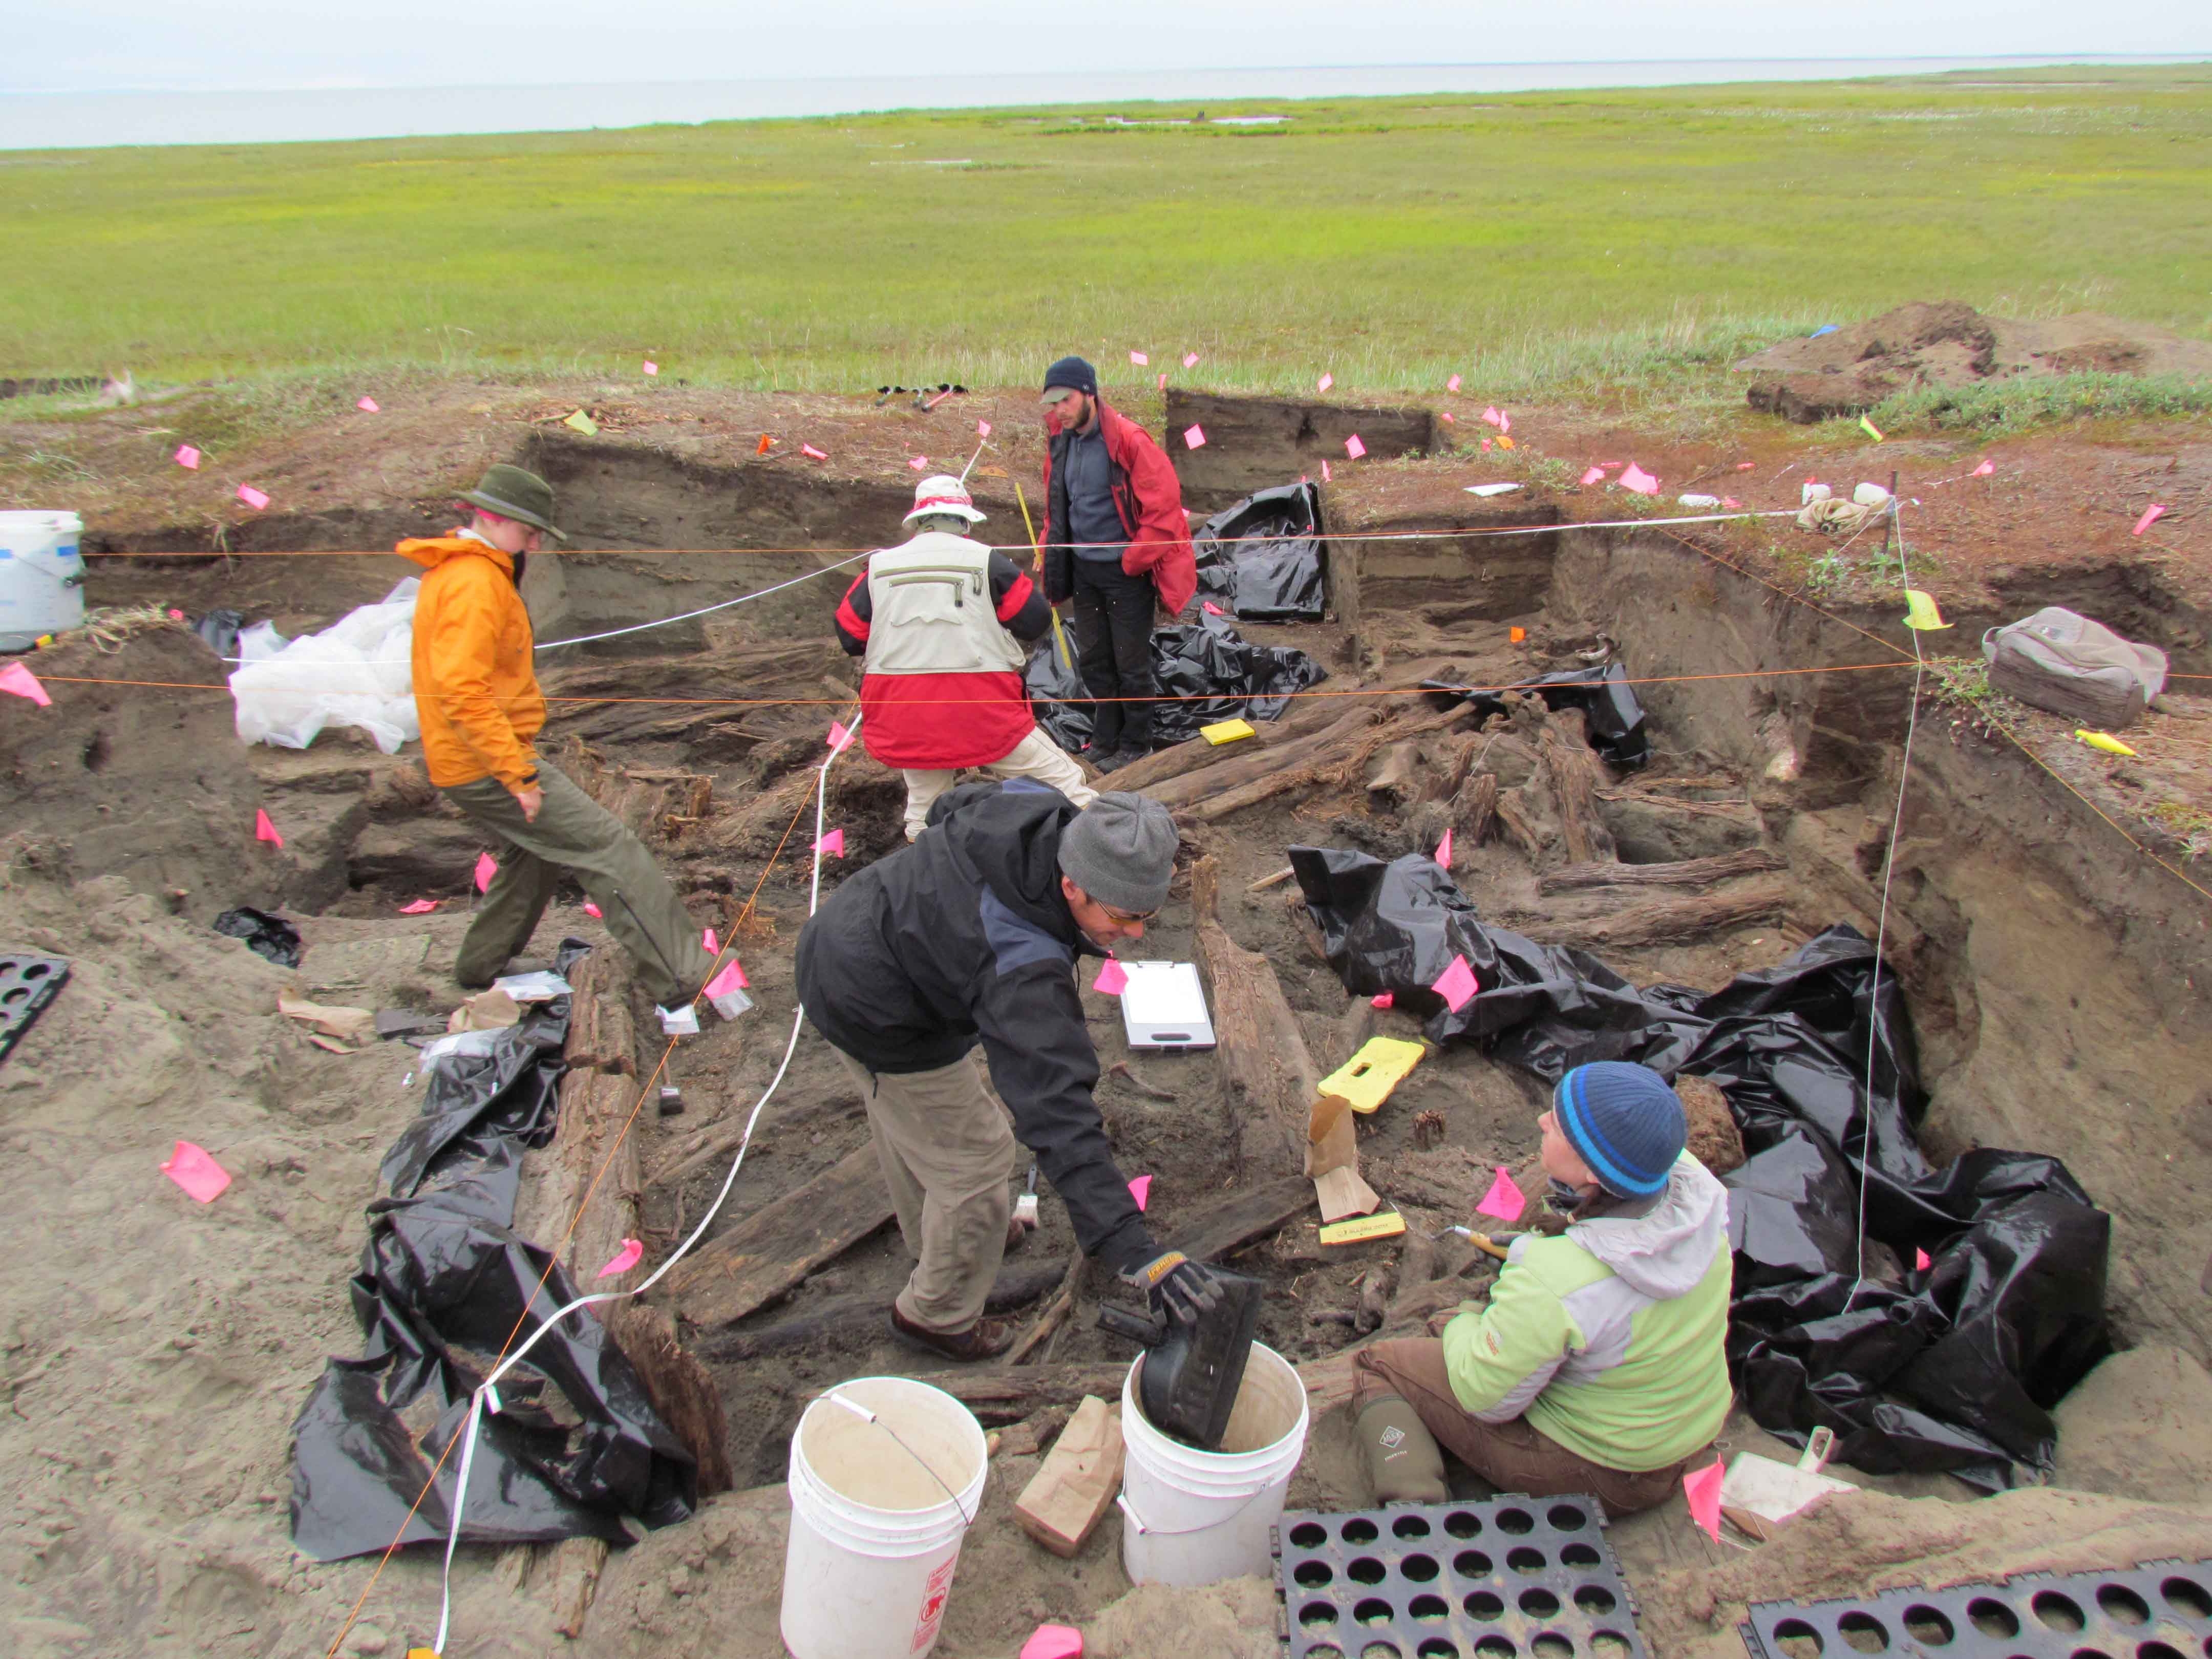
(947, 1149)
(1036, 756)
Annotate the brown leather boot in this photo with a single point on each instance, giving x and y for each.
(987, 1338)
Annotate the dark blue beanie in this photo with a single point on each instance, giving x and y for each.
(1625, 1122)
(1075, 373)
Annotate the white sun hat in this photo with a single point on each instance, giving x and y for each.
(943, 494)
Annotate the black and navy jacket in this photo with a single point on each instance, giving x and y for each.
(964, 938)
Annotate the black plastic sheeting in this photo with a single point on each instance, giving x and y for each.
(1955, 1366)
(1264, 559)
(445, 1286)
(1214, 671)
(1614, 713)
(269, 937)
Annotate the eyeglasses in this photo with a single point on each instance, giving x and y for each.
(1112, 914)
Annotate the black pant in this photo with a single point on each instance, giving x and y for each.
(1114, 635)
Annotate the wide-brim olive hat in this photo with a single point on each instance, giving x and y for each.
(515, 494)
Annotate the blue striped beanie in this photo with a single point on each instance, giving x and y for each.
(1625, 1122)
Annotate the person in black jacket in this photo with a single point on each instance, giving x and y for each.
(966, 940)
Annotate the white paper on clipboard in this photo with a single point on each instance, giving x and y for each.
(1163, 1006)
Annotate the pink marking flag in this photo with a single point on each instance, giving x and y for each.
(1456, 985)
(1453, 418)
(1141, 1190)
(263, 829)
(1636, 478)
(1113, 978)
(832, 845)
(1452, 385)
(1503, 1201)
(1324, 472)
(1504, 421)
(731, 978)
(1324, 383)
(2152, 514)
(919, 463)
(623, 1260)
(1491, 414)
(1444, 850)
(1190, 359)
(1383, 1000)
(1211, 609)
(1983, 470)
(419, 908)
(1054, 1642)
(1485, 446)
(839, 737)
(1920, 1262)
(254, 498)
(1353, 447)
(1595, 474)
(1745, 466)
(982, 429)
(707, 939)
(1194, 436)
(591, 909)
(812, 454)
(1164, 381)
(175, 615)
(1703, 1488)
(652, 367)
(487, 867)
(200, 1176)
(368, 406)
(1140, 359)
(22, 683)
(188, 458)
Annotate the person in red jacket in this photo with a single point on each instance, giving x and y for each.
(939, 622)
(1115, 541)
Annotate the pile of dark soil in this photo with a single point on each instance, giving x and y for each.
(1947, 343)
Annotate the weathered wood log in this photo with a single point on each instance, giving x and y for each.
(1656, 921)
(1268, 1083)
(1687, 873)
(1375, 1286)
(681, 1391)
(1252, 1215)
(1305, 716)
(1007, 1393)
(1575, 776)
(1332, 762)
(710, 1146)
(1232, 774)
(1513, 812)
(863, 1314)
(1053, 1316)
(1396, 772)
(613, 701)
(1475, 809)
(746, 1267)
(601, 1037)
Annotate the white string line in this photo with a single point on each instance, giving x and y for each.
(1881, 920)
(476, 1398)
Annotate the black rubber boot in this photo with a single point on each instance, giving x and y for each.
(1405, 1465)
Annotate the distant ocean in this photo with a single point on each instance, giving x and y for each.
(77, 121)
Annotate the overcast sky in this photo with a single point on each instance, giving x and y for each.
(78, 45)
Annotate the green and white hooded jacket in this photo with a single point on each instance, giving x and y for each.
(1609, 1338)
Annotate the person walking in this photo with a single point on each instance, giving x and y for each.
(939, 622)
(955, 955)
(1599, 1364)
(1116, 541)
(476, 690)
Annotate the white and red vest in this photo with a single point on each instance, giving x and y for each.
(941, 684)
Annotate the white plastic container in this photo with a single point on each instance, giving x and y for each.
(41, 576)
(1196, 1517)
(875, 1536)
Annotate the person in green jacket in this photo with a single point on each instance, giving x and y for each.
(1597, 1366)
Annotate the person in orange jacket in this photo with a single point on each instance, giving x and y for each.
(476, 689)
(1116, 541)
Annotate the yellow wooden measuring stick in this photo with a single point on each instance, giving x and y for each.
(1036, 563)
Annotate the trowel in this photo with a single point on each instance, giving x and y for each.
(1188, 1384)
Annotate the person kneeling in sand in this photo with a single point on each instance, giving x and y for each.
(1598, 1364)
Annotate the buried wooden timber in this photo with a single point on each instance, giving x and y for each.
(1336, 757)
(1016, 1286)
(1268, 1082)
(1305, 716)
(1685, 872)
(742, 1269)
(1177, 793)
(1656, 921)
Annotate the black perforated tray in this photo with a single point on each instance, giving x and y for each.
(2159, 1610)
(1509, 1578)
(27, 984)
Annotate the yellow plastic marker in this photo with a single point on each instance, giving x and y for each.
(1872, 431)
(1360, 1229)
(1367, 1078)
(1920, 612)
(2105, 741)
(590, 428)
(423, 1653)
(1222, 732)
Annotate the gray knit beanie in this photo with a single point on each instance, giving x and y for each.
(1120, 850)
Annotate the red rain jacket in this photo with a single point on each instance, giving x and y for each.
(1149, 498)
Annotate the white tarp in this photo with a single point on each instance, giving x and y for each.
(355, 672)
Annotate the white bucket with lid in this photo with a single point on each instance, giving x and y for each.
(41, 576)
(881, 1497)
(1196, 1517)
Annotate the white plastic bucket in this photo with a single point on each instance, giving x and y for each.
(41, 576)
(875, 1534)
(1196, 1517)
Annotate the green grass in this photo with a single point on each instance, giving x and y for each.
(1997, 409)
(1624, 244)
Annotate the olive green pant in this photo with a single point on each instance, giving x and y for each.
(946, 1147)
(573, 833)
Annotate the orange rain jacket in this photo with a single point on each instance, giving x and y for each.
(476, 685)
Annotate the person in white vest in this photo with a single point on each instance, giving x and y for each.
(940, 622)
